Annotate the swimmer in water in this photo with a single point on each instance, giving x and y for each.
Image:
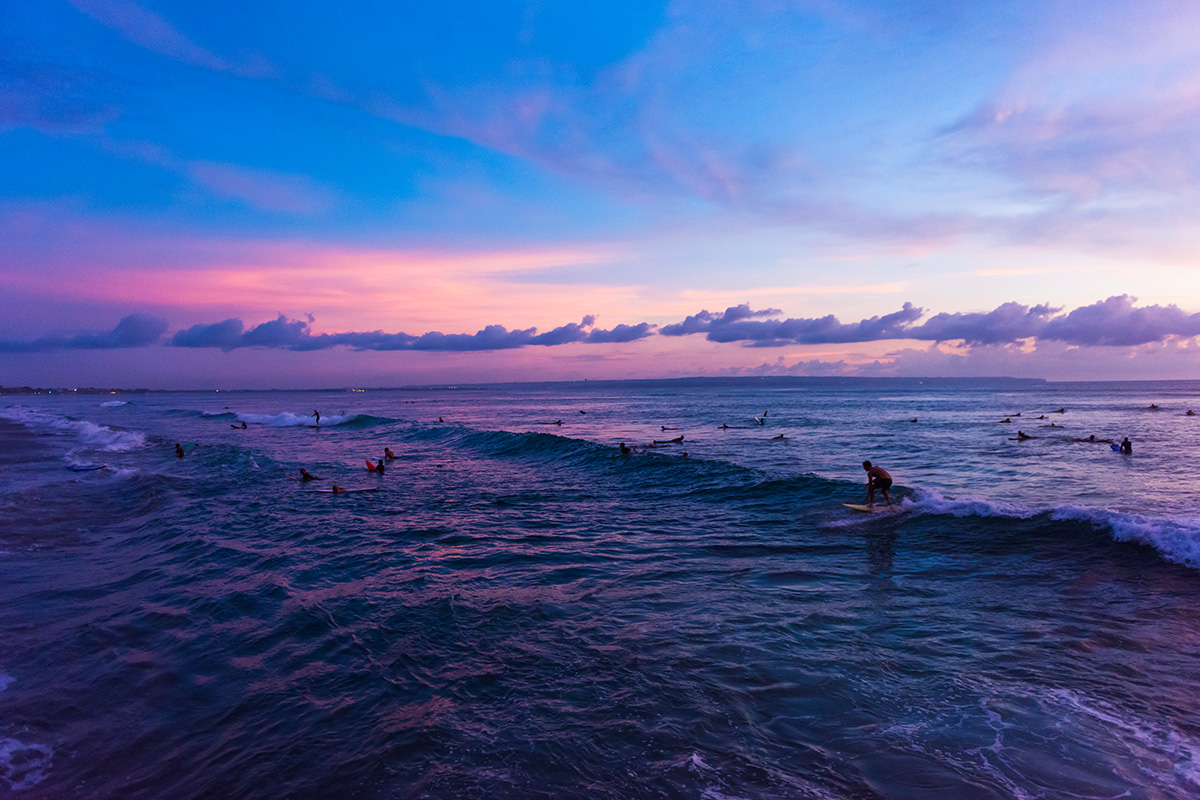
(1127, 446)
(306, 476)
(388, 455)
(625, 450)
(179, 451)
(778, 438)
(336, 489)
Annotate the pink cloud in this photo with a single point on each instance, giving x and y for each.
(153, 32)
(262, 189)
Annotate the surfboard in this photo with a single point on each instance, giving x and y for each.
(1116, 448)
(349, 491)
(868, 509)
(85, 467)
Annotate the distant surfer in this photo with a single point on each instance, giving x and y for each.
(1022, 436)
(1127, 446)
(1059, 411)
(676, 440)
(388, 455)
(557, 422)
(316, 414)
(335, 489)
(665, 428)
(1190, 413)
(441, 420)
(1153, 407)
(778, 438)
(241, 427)
(376, 468)
(306, 476)
(914, 419)
(179, 450)
(877, 478)
(724, 427)
(625, 449)
(1006, 419)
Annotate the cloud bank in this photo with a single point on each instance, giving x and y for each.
(1115, 322)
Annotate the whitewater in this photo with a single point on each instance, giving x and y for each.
(521, 610)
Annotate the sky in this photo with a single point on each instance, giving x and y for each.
(307, 195)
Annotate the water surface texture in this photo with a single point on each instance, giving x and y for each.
(521, 611)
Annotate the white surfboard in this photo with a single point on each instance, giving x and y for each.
(869, 509)
(349, 491)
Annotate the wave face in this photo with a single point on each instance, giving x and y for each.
(521, 610)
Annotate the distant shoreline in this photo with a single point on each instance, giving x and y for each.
(765, 381)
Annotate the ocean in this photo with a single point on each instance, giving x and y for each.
(522, 611)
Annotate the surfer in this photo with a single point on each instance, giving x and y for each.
(1022, 436)
(1059, 411)
(778, 438)
(724, 427)
(665, 428)
(316, 414)
(1190, 413)
(625, 450)
(388, 455)
(877, 478)
(1006, 419)
(557, 422)
(335, 489)
(179, 450)
(1127, 446)
(441, 420)
(306, 476)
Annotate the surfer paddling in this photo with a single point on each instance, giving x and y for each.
(877, 478)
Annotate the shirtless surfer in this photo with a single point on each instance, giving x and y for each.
(316, 414)
(877, 478)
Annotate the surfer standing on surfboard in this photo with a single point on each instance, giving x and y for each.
(877, 478)
(316, 414)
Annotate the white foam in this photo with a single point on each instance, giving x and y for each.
(23, 765)
(932, 502)
(114, 403)
(100, 437)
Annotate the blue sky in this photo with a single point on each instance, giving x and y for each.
(410, 170)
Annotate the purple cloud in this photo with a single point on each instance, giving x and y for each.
(1112, 322)
(740, 324)
(1006, 323)
(135, 330)
(287, 334)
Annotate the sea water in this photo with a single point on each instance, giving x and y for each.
(521, 611)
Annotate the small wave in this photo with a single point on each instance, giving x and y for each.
(1175, 539)
(100, 437)
(114, 403)
(23, 765)
(286, 419)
